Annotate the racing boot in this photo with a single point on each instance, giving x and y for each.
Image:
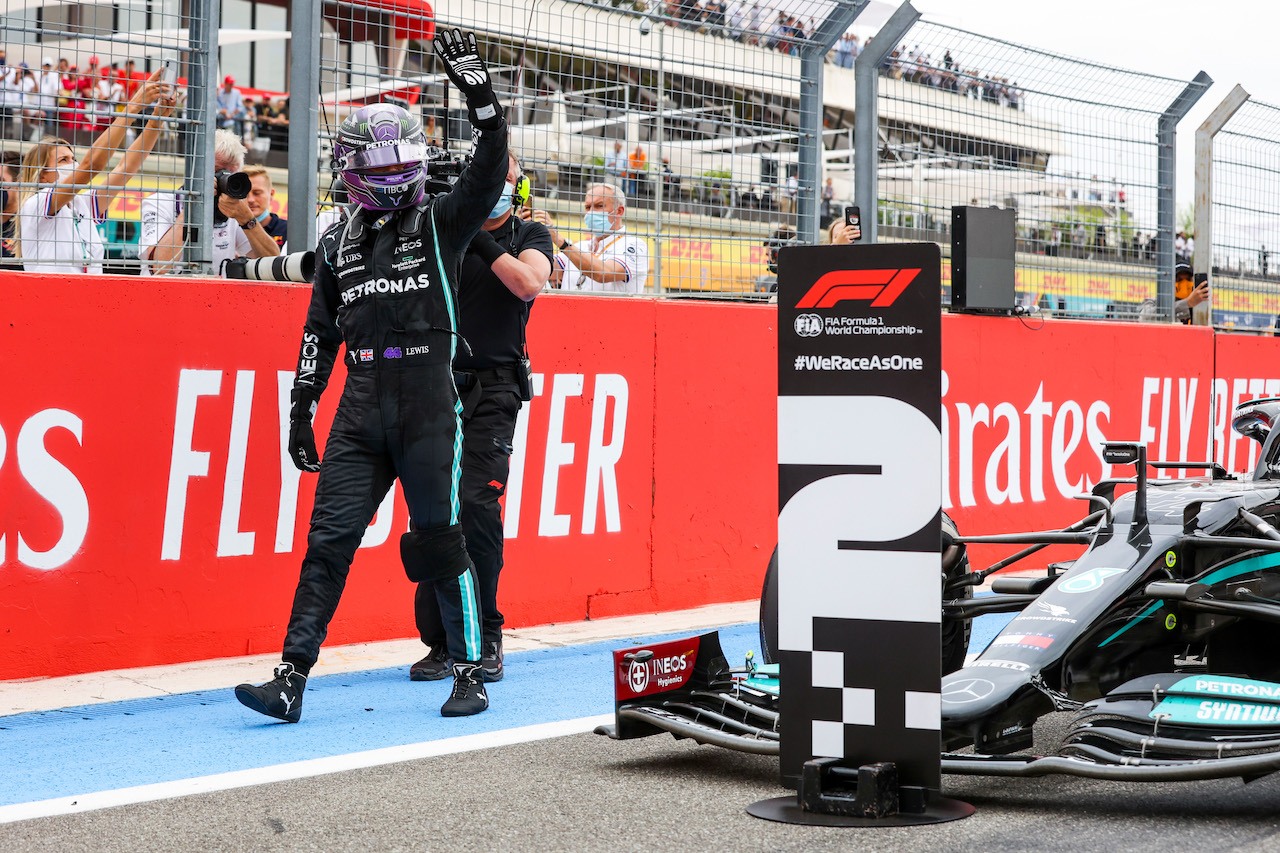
(468, 695)
(435, 666)
(491, 661)
(281, 697)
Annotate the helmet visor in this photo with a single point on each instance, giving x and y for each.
(377, 156)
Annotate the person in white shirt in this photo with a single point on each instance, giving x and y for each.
(48, 82)
(161, 238)
(32, 115)
(612, 260)
(10, 94)
(57, 223)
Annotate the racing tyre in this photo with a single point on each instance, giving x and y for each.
(955, 632)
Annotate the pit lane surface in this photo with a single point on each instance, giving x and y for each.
(578, 792)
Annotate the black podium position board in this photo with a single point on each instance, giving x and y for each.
(859, 497)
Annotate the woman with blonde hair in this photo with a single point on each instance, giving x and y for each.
(57, 222)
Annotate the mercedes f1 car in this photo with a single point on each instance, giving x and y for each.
(1158, 636)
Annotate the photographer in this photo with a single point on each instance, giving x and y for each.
(236, 231)
(1187, 294)
(385, 286)
(506, 266)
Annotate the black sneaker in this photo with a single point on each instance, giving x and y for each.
(468, 695)
(281, 697)
(435, 666)
(491, 661)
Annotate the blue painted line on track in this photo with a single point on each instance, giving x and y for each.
(113, 745)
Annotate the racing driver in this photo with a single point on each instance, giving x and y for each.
(387, 288)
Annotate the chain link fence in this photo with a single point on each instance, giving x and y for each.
(104, 126)
(690, 113)
(695, 112)
(1246, 219)
(1070, 145)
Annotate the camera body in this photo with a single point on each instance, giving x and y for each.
(443, 168)
(233, 184)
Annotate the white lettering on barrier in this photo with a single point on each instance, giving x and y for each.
(1223, 441)
(605, 446)
(515, 477)
(54, 482)
(185, 462)
(232, 541)
(290, 476)
(1070, 428)
(602, 458)
(559, 454)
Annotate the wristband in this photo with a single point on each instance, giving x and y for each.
(484, 245)
(564, 244)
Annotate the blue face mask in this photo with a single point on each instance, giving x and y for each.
(504, 202)
(597, 223)
(264, 216)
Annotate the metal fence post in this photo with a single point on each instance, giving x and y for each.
(809, 154)
(1202, 262)
(202, 108)
(304, 123)
(1166, 171)
(866, 116)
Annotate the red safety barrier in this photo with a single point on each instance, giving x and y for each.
(150, 516)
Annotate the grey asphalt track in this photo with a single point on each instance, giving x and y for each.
(587, 793)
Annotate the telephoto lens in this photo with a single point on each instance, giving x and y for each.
(234, 184)
(299, 266)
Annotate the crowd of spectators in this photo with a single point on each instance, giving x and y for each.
(59, 99)
(916, 66)
(749, 23)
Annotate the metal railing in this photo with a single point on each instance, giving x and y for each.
(704, 122)
(729, 132)
(1242, 249)
(1071, 146)
(75, 95)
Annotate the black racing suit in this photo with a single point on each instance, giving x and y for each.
(493, 323)
(386, 287)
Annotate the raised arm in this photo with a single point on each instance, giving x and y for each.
(460, 214)
(138, 151)
(100, 152)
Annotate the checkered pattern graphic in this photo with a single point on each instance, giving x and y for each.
(871, 694)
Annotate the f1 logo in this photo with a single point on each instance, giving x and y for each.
(881, 287)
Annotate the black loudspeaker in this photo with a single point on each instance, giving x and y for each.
(982, 245)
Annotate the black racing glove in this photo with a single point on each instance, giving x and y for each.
(486, 247)
(302, 438)
(461, 60)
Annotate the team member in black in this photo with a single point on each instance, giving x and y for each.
(506, 266)
(386, 288)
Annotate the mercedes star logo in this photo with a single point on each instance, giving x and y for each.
(967, 690)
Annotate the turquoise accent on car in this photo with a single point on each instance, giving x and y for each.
(1265, 561)
(1155, 605)
(1220, 700)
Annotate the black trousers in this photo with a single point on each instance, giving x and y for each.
(486, 462)
(390, 423)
